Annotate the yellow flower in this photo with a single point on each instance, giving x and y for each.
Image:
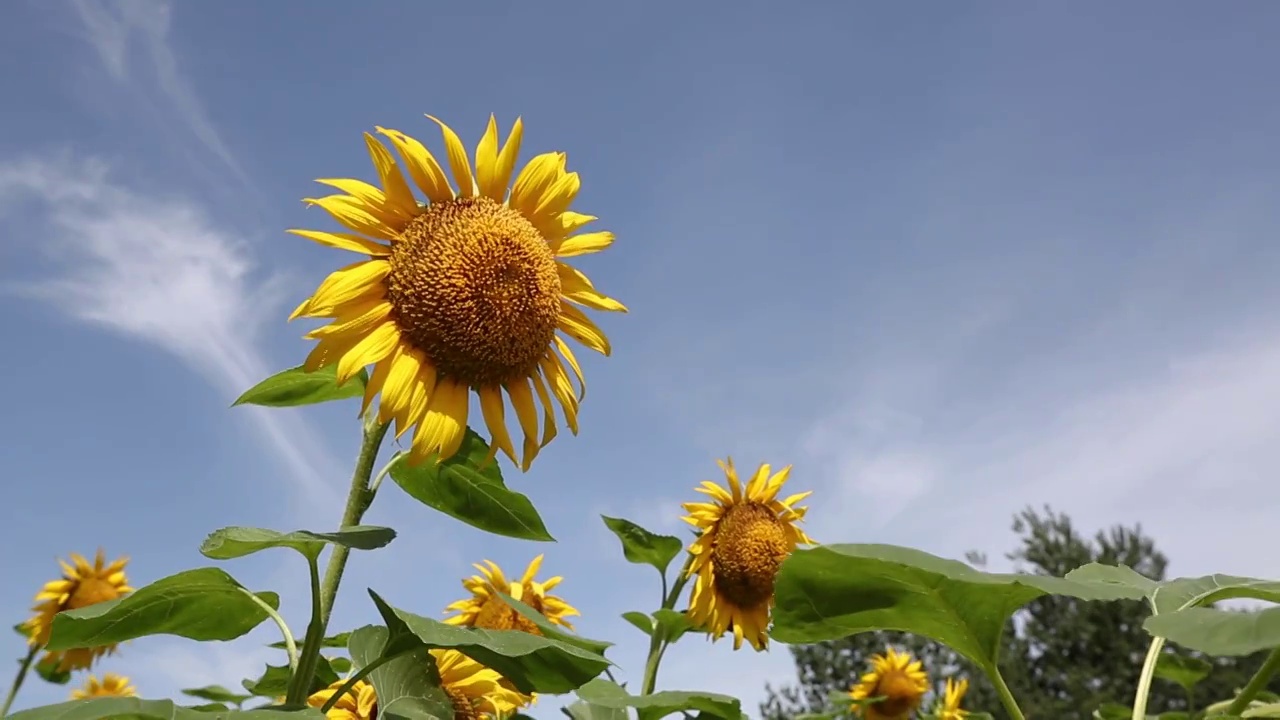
(743, 538)
(477, 692)
(464, 293)
(899, 682)
(358, 703)
(81, 585)
(112, 685)
(486, 608)
(949, 705)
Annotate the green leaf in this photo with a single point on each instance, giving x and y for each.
(47, 669)
(216, 694)
(333, 641)
(295, 387)
(274, 682)
(340, 665)
(643, 547)
(555, 632)
(201, 604)
(671, 624)
(209, 707)
(586, 711)
(468, 488)
(660, 704)
(1269, 710)
(117, 707)
(833, 591)
(1183, 670)
(234, 542)
(408, 687)
(532, 663)
(642, 622)
(1180, 593)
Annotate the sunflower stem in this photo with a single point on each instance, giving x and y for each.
(17, 680)
(290, 645)
(1145, 677)
(323, 594)
(1255, 684)
(1006, 696)
(657, 646)
(359, 675)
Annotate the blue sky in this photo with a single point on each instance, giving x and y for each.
(947, 260)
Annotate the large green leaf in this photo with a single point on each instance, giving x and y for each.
(408, 686)
(833, 591)
(234, 542)
(201, 604)
(274, 682)
(295, 386)
(531, 662)
(217, 694)
(643, 547)
(582, 710)
(332, 641)
(604, 693)
(116, 707)
(1180, 593)
(469, 487)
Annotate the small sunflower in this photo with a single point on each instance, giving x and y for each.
(486, 608)
(949, 706)
(743, 538)
(358, 703)
(81, 585)
(477, 692)
(463, 293)
(112, 685)
(899, 682)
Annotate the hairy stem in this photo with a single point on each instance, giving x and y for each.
(1255, 684)
(17, 680)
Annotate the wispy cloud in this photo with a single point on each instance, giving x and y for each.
(158, 270)
(117, 28)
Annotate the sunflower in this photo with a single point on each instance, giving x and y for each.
(358, 703)
(486, 608)
(112, 685)
(743, 537)
(81, 585)
(463, 293)
(949, 706)
(899, 683)
(476, 691)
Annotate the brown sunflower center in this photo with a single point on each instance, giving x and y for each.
(463, 709)
(496, 614)
(750, 545)
(474, 286)
(91, 591)
(901, 695)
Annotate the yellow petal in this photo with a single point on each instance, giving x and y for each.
(444, 424)
(354, 214)
(423, 168)
(558, 197)
(397, 388)
(360, 318)
(492, 408)
(548, 413)
(374, 200)
(566, 223)
(328, 351)
(575, 324)
(561, 388)
(423, 390)
(584, 244)
(531, 571)
(576, 287)
(345, 241)
(539, 174)
(377, 379)
(393, 182)
(493, 168)
(527, 414)
(569, 358)
(343, 286)
(458, 162)
(371, 348)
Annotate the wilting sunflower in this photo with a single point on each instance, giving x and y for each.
(949, 706)
(487, 609)
(112, 685)
(463, 293)
(744, 535)
(477, 692)
(358, 703)
(897, 680)
(81, 585)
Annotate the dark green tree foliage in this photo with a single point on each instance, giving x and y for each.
(1062, 657)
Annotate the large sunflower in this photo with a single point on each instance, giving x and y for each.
(477, 692)
(897, 680)
(112, 685)
(81, 585)
(744, 535)
(358, 703)
(465, 292)
(486, 608)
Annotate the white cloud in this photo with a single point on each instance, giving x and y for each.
(158, 270)
(112, 29)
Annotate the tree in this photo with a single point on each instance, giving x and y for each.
(1062, 657)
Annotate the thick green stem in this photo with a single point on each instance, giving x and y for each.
(17, 681)
(1006, 696)
(657, 646)
(322, 594)
(1144, 679)
(1255, 684)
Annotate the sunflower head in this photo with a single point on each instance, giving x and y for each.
(744, 534)
(486, 608)
(899, 683)
(949, 706)
(358, 703)
(463, 293)
(477, 693)
(112, 685)
(82, 584)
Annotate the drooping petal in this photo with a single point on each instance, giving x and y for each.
(584, 244)
(577, 288)
(492, 407)
(575, 324)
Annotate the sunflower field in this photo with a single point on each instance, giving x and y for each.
(461, 285)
